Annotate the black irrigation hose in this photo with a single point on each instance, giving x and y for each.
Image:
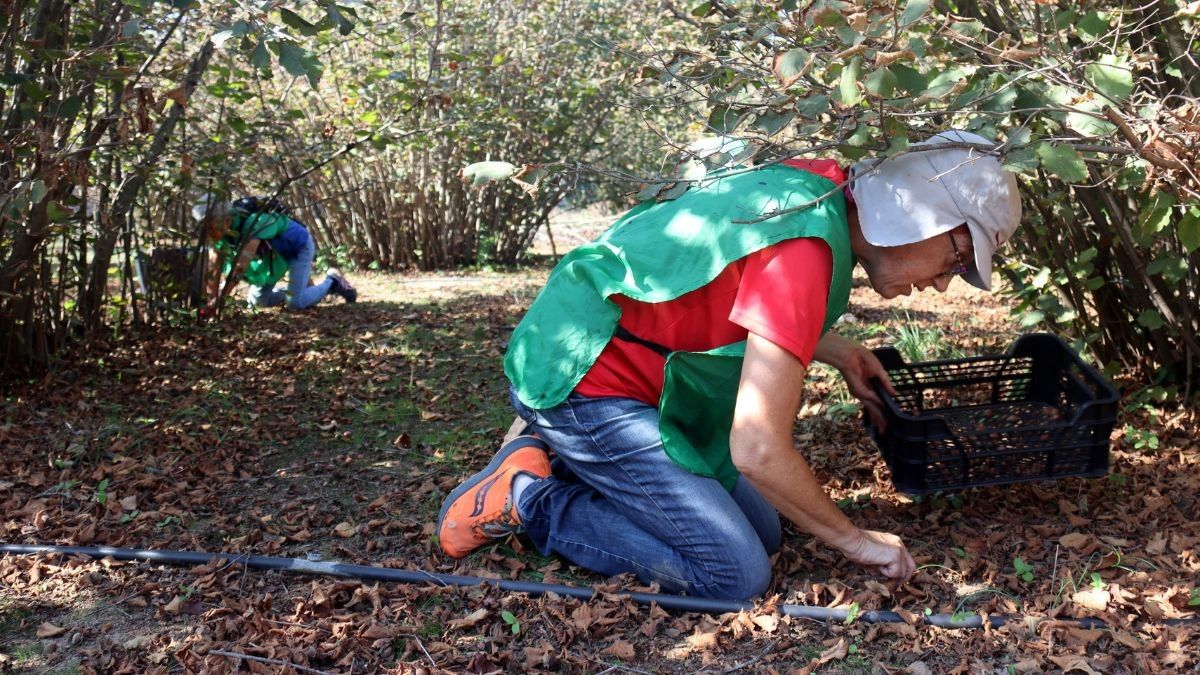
(673, 602)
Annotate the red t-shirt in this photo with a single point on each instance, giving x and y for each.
(778, 293)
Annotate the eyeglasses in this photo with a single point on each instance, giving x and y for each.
(961, 267)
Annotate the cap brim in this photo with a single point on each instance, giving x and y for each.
(981, 275)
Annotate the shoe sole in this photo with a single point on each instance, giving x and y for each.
(513, 446)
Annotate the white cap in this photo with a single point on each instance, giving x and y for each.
(919, 195)
(207, 204)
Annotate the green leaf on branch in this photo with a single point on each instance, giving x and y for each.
(1172, 268)
(1111, 76)
(298, 62)
(1062, 161)
(828, 17)
(772, 123)
(296, 21)
(913, 11)
(344, 25)
(1092, 26)
(788, 65)
(940, 85)
(848, 91)
(1090, 125)
(1150, 319)
(881, 83)
(56, 212)
(908, 80)
(813, 106)
(1155, 214)
(896, 146)
(725, 119)
(260, 57)
(1189, 229)
(1041, 278)
(481, 173)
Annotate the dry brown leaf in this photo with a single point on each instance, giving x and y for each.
(622, 650)
(702, 641)
(49, 630)
(1128, 640)
(1075, 540)
(137, 642)
(767, 622)
(1092, 598)
(1082, 636)
(178, 95)
(834, 653)
(469, 620)
(1071, 663)
(876, 587)
(175, 606)
(1157, 544)
(1013, 54)
(376, 631)
(888, 58)
(582, 617)
(345, 530)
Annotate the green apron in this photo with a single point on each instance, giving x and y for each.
(658, 252)
(264, 271)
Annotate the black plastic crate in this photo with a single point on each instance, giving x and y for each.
(1036, 412)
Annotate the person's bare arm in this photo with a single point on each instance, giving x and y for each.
(859, 367)
(244, 255)
(769, 395)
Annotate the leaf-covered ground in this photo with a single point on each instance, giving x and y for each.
(337, 432)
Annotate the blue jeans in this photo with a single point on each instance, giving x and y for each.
(302, 295)
(616, 503)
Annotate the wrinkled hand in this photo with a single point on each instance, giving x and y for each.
(858, 366)
(883, 552)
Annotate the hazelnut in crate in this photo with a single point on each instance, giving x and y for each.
(1035, 412)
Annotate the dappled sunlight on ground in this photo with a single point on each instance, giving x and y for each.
(337, 431)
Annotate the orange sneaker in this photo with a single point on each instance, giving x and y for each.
(482, 509)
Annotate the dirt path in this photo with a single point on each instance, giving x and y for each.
(338, 431)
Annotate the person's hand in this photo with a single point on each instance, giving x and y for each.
(883, 552)
(858, 366)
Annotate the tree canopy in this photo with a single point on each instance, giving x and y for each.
(119, 115)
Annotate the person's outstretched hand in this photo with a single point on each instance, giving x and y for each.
(858, 366)
(883, 552)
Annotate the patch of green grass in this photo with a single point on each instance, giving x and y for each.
(27, 651)
(919, 343)
(855, 663)
(860, 332)
(431, 629)
(11, 615)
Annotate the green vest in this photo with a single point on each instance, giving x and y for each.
(658, 252)
(262, 271)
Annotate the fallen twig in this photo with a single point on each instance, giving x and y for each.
(738, 666)
(273, 662)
